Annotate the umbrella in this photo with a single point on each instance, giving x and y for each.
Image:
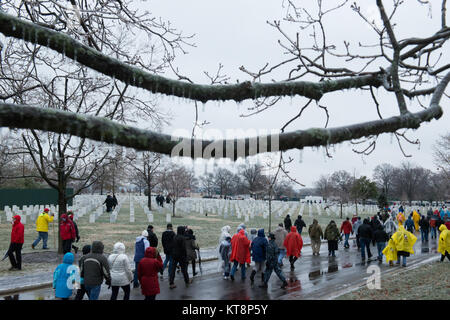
(6, 255)
(200, 261)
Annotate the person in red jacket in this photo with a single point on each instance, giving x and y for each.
(17, 235)
(67, 233)
(240, 253)
(293, 244)
(347, 228)
(147, 272)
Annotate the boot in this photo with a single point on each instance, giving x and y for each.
(252, 276)
(263, 285)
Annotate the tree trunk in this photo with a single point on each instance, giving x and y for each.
(149, 197)
(270, 212)
(341, 209)
(173, 207)
(62, 203)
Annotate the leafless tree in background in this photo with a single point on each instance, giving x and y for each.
(441, 154)
(31, 74)
(146, 168)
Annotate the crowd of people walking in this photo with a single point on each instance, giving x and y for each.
(392, 233)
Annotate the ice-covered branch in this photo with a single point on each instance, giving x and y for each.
(101, 129)
(12, 26)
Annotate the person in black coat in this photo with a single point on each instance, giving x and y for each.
(287, 223)
(365, 237)
(300, 224)
(115, 201)
(167, 243)
(152, 238)
(179, 256)
(109, 201)
(380, 237)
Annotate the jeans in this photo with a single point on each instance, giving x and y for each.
(93, 292)
(445, 255)
(346, 236)
(44, 237)
(233, 270)
(281, 256)
(424, 234)
(135, 278)
(16, 262)
(66, 245)
(365, 243)
(315, 245)
(226, 268)
(168, 260)
(433, 233)
(183, 264)
(277, 270)
(126, 292)
(404, 260)
(380, 247)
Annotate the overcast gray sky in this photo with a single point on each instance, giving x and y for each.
(235, 33)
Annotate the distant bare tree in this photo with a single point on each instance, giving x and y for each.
(342, 185)
(408, 179)
(145, 166)
(324, 186)
(441, 154)
(383, 174)
(176, 180)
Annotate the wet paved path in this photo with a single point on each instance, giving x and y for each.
(314, 277)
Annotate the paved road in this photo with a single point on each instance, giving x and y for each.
(315, 277)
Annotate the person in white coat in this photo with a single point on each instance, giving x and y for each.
(121, 275)
(225, 232)
(390, 226)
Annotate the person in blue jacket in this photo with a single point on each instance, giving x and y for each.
(409, 224)
(61, 282)
(258, 250)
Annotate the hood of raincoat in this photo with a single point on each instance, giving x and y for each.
(86, 249)
(119, 248)
(261, 233)
(68, 258)
(442, 228)
(181, 230)
(97, 247)
(226, 229)
(315, 221)
(16, 219)
(293, 229)
(150, 252)
(404, 240)
(64, 217)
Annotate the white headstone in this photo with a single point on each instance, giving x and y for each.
(150, 217)
(92, 218)
(168, 217)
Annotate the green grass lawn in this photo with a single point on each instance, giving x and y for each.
(206, 228)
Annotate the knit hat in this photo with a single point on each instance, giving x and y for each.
(46, 210)
(144, 233)
(271, 236)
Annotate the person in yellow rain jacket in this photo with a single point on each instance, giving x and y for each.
(400, 218)
(416, 219)
(404, 242)
(444, 242)
(390, 251)
(42, 228)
